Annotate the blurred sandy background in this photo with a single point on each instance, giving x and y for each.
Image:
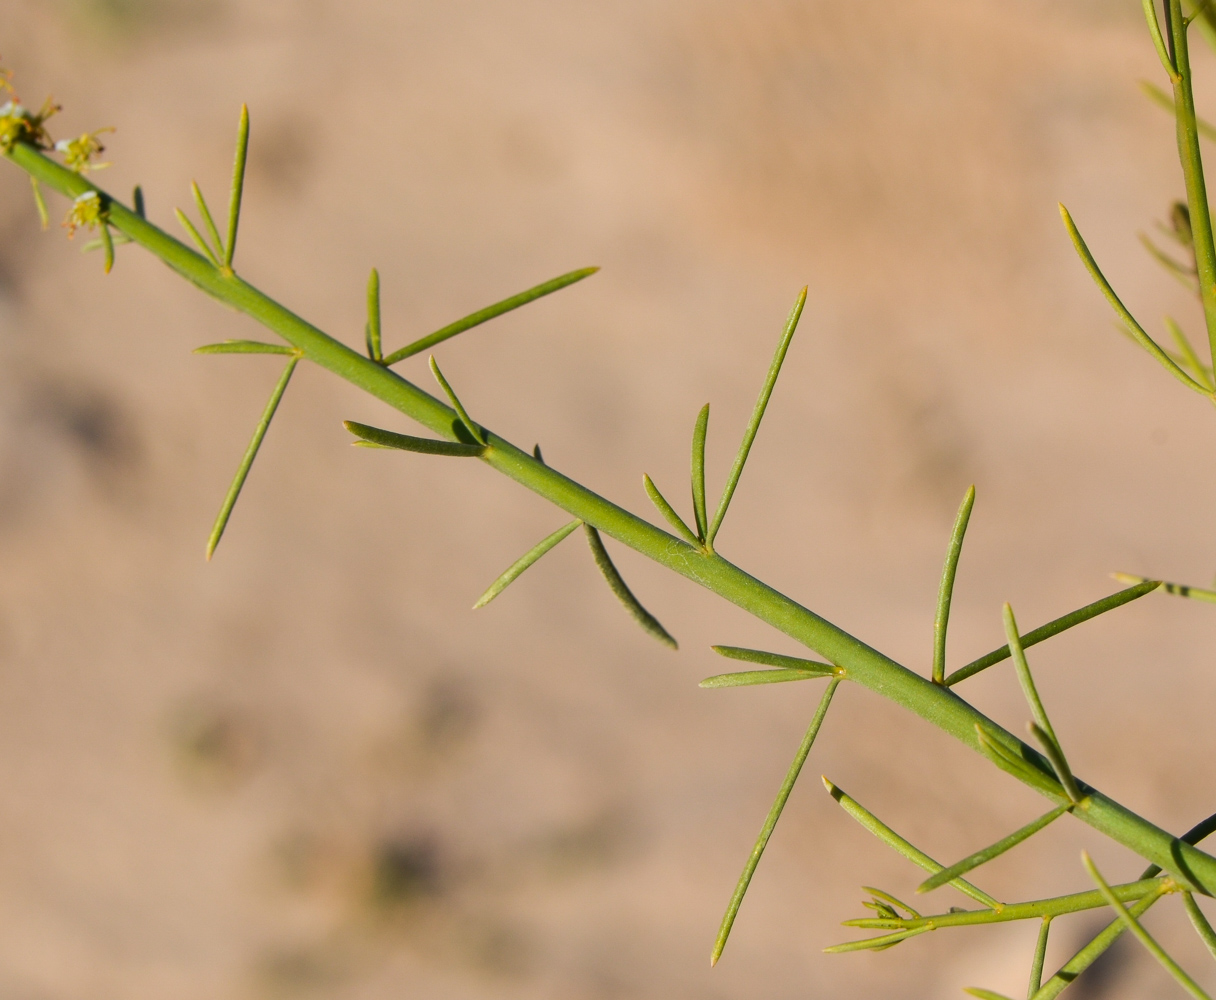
(307, 769)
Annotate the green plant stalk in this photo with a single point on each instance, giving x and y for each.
(1040, 955)
(860, 662)
(1192, 168)
(1089, 954)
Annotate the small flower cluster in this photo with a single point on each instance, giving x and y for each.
(86, 211)
(78, 153)
(19, 124)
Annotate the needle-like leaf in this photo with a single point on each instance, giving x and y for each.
(1200, 922)
(770, 822)
(876, 943)
(983, 994)
(746, 678)
(259, 433)
(753, 425)
(644, 618)
(374, 350)
(698, 470)
(471, 427)
(1059, 764)
(1058, 625)
(523, 562)
(982, 857)
(1202, 373)
(107, 243)
(1136, 330)
(137, 202)
(205, 213)
(238, 185)
(897, 843)
(1014, 763)
(379, 438)
(1040, 955)
(1185, 275)
(489, 313)
(196, 236)
(1178, 589)
(776, 660)
(40, 202)
(666, 509)
(1146, 939)
(244, 347)
(946, 589)
(1042, 724)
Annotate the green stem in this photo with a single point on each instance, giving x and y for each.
(860, 662)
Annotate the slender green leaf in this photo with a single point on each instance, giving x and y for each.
(644, 618)
(238, 185)
(898, 844)
(259, 433)
(1159, 96)
(40, 202)
(983, 994)
(404, 442)
(1042, 728)
(879, 894)
(776, 660)
(1136, 330)
(1059, 764)
(374, 350)
(1040, 955)
(698, 470)
(116, 239)
(746, 678)
(137, 202)
(982, 857)
(194, 235)
(946, 589)
(875, 943)
(523, 562)
(107, 243)
(205, 213)
(1199, 920)
(244, 347)
(770, 822)
(1013, 763)
(753, 425)
(666, 509)
(471, 427)
(1178, 589)
(1146, 939)
(1092, 951)
(1154, 29)
(1202, 373)
(1193, 836)
(489, 313)
(1058, 625)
